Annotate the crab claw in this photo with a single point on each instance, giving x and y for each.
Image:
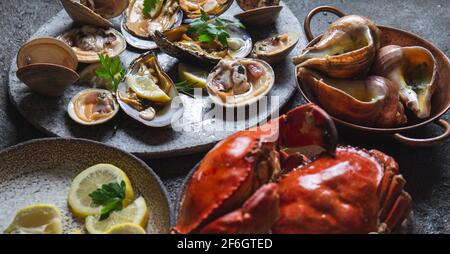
(256, 216)
(307, 129)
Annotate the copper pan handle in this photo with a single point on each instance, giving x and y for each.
(313, 12)
(428, 141)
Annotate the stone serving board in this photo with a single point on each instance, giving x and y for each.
(199, 130)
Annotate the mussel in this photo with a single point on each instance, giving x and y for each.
(275, 48)
(212, 7)
(47, 66)
(347, 49)
(239, 82)
(372, 102)
(259, 12)
(413, 70)
(178, 43)
(94, 12)
(147, 93)
(89, 41)
(139, 26)
(93, 106)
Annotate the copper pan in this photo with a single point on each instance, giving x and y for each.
(441, 98)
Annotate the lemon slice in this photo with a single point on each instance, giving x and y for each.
(135, 213)
(192, 74)
(90, 180)
(36, 219)
(126, 228)
(146, 88)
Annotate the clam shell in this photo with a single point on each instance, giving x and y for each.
(373, 101)
(92, 56)
(110, 8)
(249, 97)
(142, 41)
(280, 54)
(164, 116)
(260, 16)
(47, 66)
(71, 107)
(224, 5)
(165, 42)
(83, 15)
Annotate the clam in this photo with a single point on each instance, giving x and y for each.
(178, 43)
(347, 48)
(94, 12)
(88, 42)
(275, 48)
(212, 7)
(93, 106)
(413, 70)
(239, 82)
(373, 101)
(138, 27)
(259, 12)
(147, 93)
(88, 77)
(47, 66)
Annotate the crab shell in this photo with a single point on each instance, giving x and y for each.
(359, 191)
(244, 162)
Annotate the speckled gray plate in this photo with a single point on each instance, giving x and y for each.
(42, 170)
(49, 114)
(7, 133)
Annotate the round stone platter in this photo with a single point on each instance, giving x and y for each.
(199, 130)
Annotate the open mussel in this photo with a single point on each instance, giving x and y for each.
(94, 12)
(372, 102)
(179, 43)
(47, 66)
(147, 93)
(259, 12)
(413, 70)
(275, 48)
(239, 82)
(347, 49)
(192, 8)
(93, 106)
(89, 41)
(139, 24)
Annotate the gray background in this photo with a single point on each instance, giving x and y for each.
(427, 170)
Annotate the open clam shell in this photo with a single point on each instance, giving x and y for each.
(239, 82)
(192, 8)
(82, 15)
(347, 49)
(93, 106)
(274, 49)
(47, 66)
(87, 42)
(164, 113)
(259, 12)
(172, 42)
(373, 101)
(414, 71)
(137, 27)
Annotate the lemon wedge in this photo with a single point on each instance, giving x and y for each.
(126, 228)
(192, 74)
(135, 213)
(146, 88)
(90, 180)
(36, 219)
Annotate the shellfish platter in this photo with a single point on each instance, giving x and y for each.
(138, 128)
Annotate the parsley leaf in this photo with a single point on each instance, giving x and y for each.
(149, 5)
(111, 70)
(110, 196)
(209, 31)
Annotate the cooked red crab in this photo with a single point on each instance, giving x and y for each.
(258, 181)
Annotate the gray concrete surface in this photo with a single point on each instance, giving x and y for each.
(426, 170)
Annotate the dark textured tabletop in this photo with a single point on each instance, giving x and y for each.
(427, 170)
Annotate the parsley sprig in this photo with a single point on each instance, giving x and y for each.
(111, 70)
(212, 30)
(149, 5)
(110, 196)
